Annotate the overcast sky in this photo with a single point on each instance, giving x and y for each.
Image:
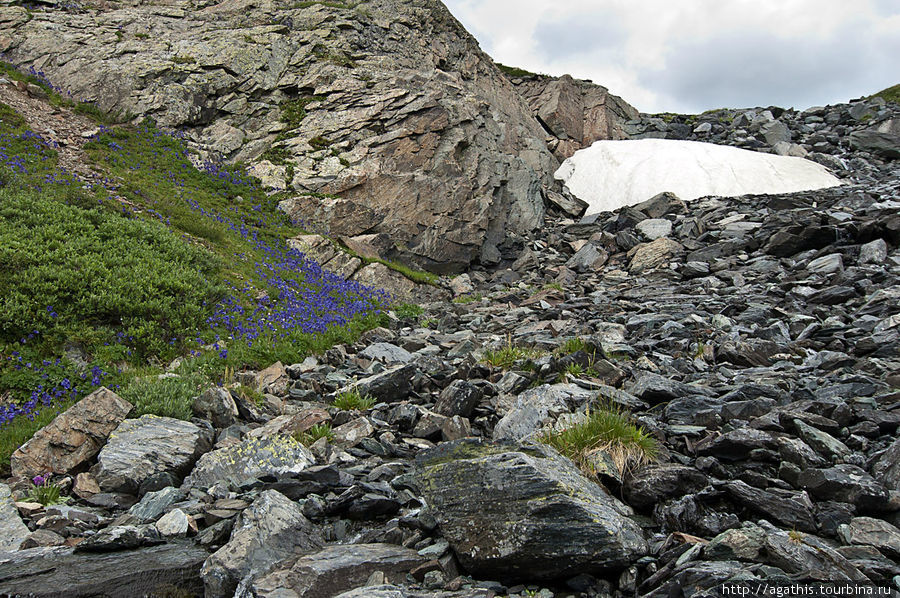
(692, 55)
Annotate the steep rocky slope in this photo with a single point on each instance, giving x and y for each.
(754, 338)
(390, 106)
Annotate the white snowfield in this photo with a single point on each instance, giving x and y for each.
(611, 174)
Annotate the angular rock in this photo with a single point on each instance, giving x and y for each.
(460, 398)
(121, 537)
(589, 258)
(387, 353)
(73, 438)
(654, 254)
(272, 529)
(655, 483)
(868, 531)
(139, 449)
(154, 504)
(12, 530)
(792, 509)
(539, 407)
(654, 388)
(336, 569)
(845, 483)
(175, 524)
(217, 406)
(535, 515)
(887, 468)
(654, 228)
(255, 457)
(389, 386)
(874, 252)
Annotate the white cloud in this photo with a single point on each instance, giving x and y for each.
(693, 55)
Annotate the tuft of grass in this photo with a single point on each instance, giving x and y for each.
(507, 356)
(352, 400)
(891, 94)
(408, 310)
(468, 298)
(572, 345)
(46, 493)
(167, 396)
(315, 433)
(609, 430)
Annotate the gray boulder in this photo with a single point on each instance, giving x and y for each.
(142, 448)
(540, 407)
(525, 512)
(255, 457)
(868, 531)
(887, 468)
(217, 406)
(12, 529)
(272, 529)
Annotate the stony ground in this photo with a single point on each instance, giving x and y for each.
(755, 338)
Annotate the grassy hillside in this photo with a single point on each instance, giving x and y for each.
(160, 257)
(891, 94)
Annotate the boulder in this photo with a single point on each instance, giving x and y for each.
(525, 512)
(62, 573)
(656, 483)
(460, 398)
(539, 407)
(272, 529)
(73, 438)
(148, 446)
(12, 530)
(846, 483)
(868, 531)
(336, 569)
(887, 467)
(654, 254)
(390, 386)
(216, 405)
(255, 457)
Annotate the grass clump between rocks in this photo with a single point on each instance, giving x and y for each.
(608, 430)
(168, 395)
(315, 433)
(353, 400)
(506, 356)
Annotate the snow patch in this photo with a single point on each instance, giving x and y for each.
(611, 174)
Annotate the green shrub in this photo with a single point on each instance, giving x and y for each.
(408, 310)
(82, 275)
(166, 396)
(352, 400)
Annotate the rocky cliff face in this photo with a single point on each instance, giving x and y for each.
(573, 112)
(386, 109)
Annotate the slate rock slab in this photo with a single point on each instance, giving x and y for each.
(73, 438)
(272, 529)
(150, 445)
(62, 573)
(514, 512)
(255, 457)
(336, 569)
(12, 529)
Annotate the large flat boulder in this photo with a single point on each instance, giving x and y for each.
(142, 448)
(75, 437)
(525, 512)
(63, 573)
(611, 174)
